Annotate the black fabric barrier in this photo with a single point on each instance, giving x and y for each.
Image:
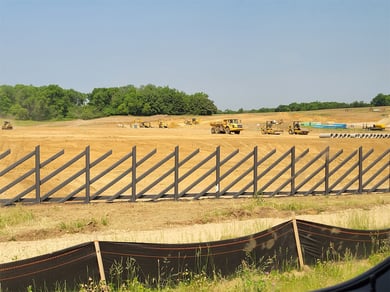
(328, 243)
(376, 279)
(159, 263)
(65, 268)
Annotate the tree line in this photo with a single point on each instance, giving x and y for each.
(27, 102)
(379, 100)
(51, 102)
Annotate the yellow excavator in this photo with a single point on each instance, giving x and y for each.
(7, 126)
(269, 130)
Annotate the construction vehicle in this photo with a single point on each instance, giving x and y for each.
(7, 126)
(143, 124)
(140, 124)
(193, 121)
(162, 124)
(375, 127)
(296, 129)
(226, 126)
(269, 129)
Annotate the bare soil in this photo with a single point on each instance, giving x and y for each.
(49, 227)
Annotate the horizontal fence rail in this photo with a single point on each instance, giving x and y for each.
(198, 175)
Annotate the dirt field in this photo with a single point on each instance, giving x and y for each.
(51, 227)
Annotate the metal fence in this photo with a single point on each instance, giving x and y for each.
(198, 175)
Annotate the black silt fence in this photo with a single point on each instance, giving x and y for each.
(277, 248)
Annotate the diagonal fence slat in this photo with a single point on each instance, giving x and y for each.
(235, 175)
(363, 171)
(17, 163)
(170, 171)
(219, 177)
(375, 175)
(307, 165)
(133, 182)
(5, 153)
(205, 160)
(272, 166)
(293, 175)
(376, 188)
(325, 179)
(349, 170)
(238, 178)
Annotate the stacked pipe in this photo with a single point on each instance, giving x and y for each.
(356, 135)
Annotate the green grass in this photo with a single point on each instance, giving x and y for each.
(15, 216)
(323, 274)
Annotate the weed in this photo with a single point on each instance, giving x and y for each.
(15, 216)
(76, 226)
(104, 220)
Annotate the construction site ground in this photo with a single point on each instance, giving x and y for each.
(50, 226)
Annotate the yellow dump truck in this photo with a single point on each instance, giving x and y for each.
(226, 126)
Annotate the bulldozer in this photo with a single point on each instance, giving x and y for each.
(296, 129)
(269, 130)
(7, 126)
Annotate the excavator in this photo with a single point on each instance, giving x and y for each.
(269, 130)
(7, 126)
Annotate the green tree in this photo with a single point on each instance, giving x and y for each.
(381, 100)
(200, 104)
(5, 99)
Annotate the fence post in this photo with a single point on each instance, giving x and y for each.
(255, 171)
(176, 190)
(217, 171)
(134, 174)
(327, 172)
(292, 170)
(100, 262)
(297, 242)
(37, 174)
(360, 170)
(87, 175)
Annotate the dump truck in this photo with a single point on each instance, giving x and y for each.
(296, 129)
(226, 126)
(269, 128)
(7, 126)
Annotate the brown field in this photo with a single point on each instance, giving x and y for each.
(49, 227)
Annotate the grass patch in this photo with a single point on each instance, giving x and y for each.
(15, 216)
(77, 226)
(248, 278)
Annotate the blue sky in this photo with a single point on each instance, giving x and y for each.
(244, 53)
